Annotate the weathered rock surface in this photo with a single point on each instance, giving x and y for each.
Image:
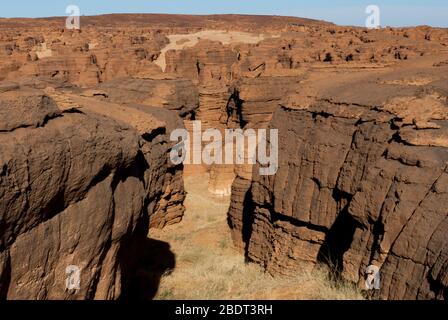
(177, 95)
(79, 188)
(360, 183)
(363, 127)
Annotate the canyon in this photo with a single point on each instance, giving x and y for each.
(85, 172)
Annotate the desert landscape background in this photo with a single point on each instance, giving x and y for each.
(86, 179)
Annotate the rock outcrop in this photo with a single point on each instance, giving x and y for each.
(85, 121)
(177, 95)
(362, 181)
(79, 188)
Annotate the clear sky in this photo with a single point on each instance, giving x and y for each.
(344, 12)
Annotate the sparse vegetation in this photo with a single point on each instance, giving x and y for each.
(209, 267)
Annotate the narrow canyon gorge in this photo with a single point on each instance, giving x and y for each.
(86, 118)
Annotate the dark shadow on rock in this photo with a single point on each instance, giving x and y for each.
(142, 261)
(152, 259)
(337, 241)
(234, 111)
(436, 286)
(5, 275)
(248, 221)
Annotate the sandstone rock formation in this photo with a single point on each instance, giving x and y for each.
(85, 120)
(79, 188)
(177, 95)
(362, 181)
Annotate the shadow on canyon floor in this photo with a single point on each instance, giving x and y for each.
(157, 260)
(208, 266)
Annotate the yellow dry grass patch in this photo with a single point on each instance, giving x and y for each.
(209, 267)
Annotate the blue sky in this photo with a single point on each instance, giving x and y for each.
(345, 12)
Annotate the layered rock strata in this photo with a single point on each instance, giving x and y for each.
(362, 181)
(80, 184)
(84, 173)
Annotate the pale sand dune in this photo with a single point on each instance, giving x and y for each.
(182, 41)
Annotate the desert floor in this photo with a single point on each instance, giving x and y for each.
(208, 266)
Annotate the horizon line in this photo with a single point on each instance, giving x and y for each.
(219, 14)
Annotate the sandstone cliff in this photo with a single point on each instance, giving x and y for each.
(85, 119)
(362, 181)
(79, 188)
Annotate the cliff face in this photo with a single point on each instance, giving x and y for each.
(84, 135)
(362, 181)
(178, 95)
(79, 189)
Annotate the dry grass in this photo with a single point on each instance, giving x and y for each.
(208, 267)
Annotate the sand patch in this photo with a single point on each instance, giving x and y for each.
(43, 51)
(209, 267)
(182, 41)
(409, 82)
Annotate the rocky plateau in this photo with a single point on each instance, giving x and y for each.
(85, 123)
